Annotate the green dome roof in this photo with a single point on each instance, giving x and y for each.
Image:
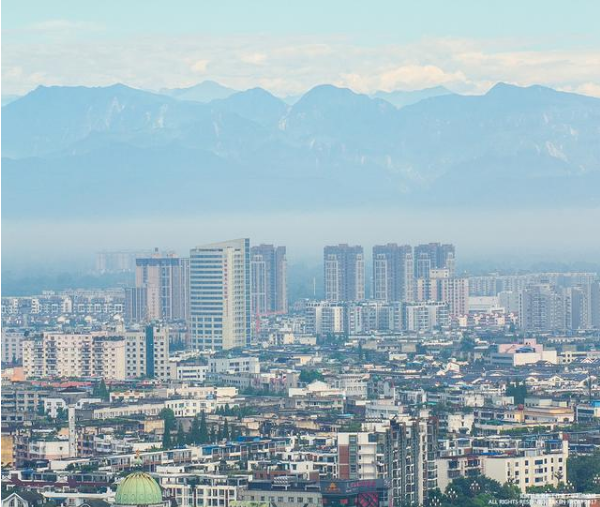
(138, 488)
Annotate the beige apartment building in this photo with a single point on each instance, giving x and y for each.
(530, 467)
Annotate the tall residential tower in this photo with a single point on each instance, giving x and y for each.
(268, 287)
(344, 273)
(393, 272)
(161, 282)
(220, 295)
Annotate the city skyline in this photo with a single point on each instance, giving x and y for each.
(300, 254)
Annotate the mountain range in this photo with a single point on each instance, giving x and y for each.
(118, 150)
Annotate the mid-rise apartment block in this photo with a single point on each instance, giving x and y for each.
(74, 355)
(99, 355)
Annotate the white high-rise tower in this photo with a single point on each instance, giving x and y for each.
(220, 295)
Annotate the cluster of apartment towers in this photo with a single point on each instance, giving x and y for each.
(221, 287)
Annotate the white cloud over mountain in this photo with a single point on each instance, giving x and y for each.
(286, 64)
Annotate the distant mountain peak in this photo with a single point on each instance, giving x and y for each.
(257, 92)
(402, 98)
(509, 88)
(206, 91)
(328, 94)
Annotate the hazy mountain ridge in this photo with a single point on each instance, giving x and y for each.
(204, 92)
(330, 141)
(401, 98)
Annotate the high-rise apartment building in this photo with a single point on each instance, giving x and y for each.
(441, 286)
(161, 283)
(411, 448)
(542, 308)
(220, 295)
(344, 273)
(117, 262)
(268, 271)
(136, 307)
(393, 272)
(434, 256)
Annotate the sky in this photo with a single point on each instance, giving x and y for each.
(288, 47)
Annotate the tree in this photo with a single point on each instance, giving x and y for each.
(518, 390)
(308, 376)
(100, 391)
(213, 434)
(180, 436)
(203, 438)
(583, 471)
(168, 417)
(194, 434)
(226, 430)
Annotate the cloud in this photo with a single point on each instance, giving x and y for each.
(592, 89)
(199, 66)
(289, 64)
(418, 76)
(62, 24)
(254, 58)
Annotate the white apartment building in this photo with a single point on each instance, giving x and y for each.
(220, 295)
(323, 317)
(147, 353)
(354, 385)
(361, 455)
(74, 355)
(127, 410)
(191, 407)
(424, 316)
(99, 355)
(234, 365)
(190, 372)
